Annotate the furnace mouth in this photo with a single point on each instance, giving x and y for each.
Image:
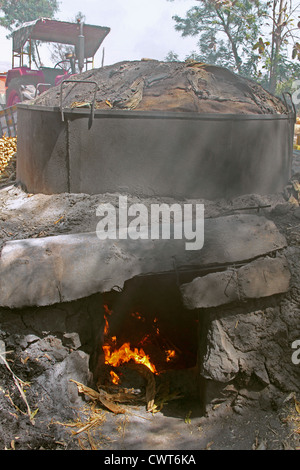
(148, 350)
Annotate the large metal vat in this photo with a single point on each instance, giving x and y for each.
(182, 155)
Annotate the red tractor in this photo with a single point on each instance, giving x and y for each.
(23, 82)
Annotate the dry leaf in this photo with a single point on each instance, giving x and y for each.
(33, 414)
(297, 406)
(116, 409)
(91, 393)
(98, 396)
(24, 360)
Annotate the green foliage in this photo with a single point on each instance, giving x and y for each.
(172, 57)
(226, 32)
(256, 38)
(275, 45)
(16, 12)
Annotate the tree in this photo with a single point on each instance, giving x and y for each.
(16, 12)
(226, 30)
(282, 34)
(172, 57)
(256, 38)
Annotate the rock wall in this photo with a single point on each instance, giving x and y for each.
(246, 343)
(249, 346)
(48, 347)
(245, 351)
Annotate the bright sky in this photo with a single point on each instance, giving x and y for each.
(139, 28)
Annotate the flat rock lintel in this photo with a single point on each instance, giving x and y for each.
(260, 278)
(44, 271)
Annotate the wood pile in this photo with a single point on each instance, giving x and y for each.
(297, 134)
(116, 398)
(8, 155)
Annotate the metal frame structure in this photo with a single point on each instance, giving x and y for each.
(85, 38)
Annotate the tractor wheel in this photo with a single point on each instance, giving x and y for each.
(19, 91)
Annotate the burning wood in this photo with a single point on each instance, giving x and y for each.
(126, 358)
(150, 388)
(114, 377)
(135, 358)
(130, 374)
(170, 354)
(125, 354)
(116, 356)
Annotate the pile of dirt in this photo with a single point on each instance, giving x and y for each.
(150, 85)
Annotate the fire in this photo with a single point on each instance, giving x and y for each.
(126, 354)
(170, 354)
(116, 357)
(137, 316)
(146, 339)
(156, 327)
(114, 377)
(106, 326)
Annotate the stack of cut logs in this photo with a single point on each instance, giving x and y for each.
(297, 134)
(8, 149)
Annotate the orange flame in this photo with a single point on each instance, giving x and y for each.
(137, 315)
(170, 354)
(126, 354)
(146, 339)
(114, 377)
(106, 326)
(155, 321)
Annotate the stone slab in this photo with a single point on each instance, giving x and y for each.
(260, 278)
(44, 271)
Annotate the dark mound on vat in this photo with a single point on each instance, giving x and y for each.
(150, 85)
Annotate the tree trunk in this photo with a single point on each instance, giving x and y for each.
(276, 44)
(233, 44)
(235, 52)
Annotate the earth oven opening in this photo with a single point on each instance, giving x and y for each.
(149, 350)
